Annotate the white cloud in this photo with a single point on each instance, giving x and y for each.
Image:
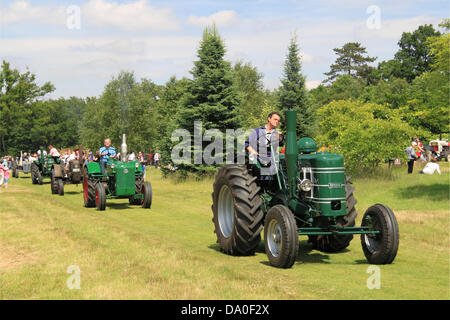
(131, 16)
(220, 19)
(22, 11)
(392, 29)
(82, 66)
(312, 84)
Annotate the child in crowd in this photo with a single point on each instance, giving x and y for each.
(5, 175)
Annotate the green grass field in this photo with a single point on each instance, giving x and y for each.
(170, 251)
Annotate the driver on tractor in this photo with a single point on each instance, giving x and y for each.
(105, 153)
(263, 140)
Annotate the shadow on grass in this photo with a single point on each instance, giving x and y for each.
(215, 247)
(73, 192)
(435, 192)
(305, 254)
(119, 206)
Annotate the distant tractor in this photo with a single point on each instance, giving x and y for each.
(20, 165)
(309, 195)
(43, 167)
(121, 180)
(440, 149)
(70, 175)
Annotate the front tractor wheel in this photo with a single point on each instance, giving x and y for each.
(147, 193)
(380, 248)
(281, 237)
(237, 214)
(100, 197)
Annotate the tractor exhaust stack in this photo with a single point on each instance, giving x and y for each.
(123, 149)
(291, 151)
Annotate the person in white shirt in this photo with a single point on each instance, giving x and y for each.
(70, 156)
(157, 159)
(431, 167)
(53, 152)
(132, 157)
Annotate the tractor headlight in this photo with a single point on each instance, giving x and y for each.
(113, 166)
(306, 185)
(136, 165)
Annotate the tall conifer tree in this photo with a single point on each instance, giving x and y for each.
(293, 93)
(212, 97)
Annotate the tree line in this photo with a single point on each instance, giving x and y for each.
(367, 112)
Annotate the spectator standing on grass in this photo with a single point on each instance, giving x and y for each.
(420, 150)
(141, 160)
(150, 159)
(157, 159)
(411, 156)
(431, 167)
(5, 174)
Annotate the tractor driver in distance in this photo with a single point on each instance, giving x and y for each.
(262, 138)
(105, 153)
(53, 152)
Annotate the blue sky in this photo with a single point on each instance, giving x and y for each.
(157, 39)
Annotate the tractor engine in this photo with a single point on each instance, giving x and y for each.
(321, 181)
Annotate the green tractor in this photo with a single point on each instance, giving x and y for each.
(43, 167)
(121, 180)
(309, 195)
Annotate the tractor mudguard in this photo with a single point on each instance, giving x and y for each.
(58, 171)
(93, 168)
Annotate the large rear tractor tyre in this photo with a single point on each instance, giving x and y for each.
(89, 191)
(100, 197)
(53, 183)
(380, 248)
(36, 177)
(60, 186)
(281, 237)
(147, 192)
(237, 214)
(336, 243)
(15, 170)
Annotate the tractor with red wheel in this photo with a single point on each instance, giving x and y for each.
(120, 180)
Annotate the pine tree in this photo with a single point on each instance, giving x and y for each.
(293, 94)
(211, 97)
(350, 60)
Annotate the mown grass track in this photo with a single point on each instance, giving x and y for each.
(170, 251)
